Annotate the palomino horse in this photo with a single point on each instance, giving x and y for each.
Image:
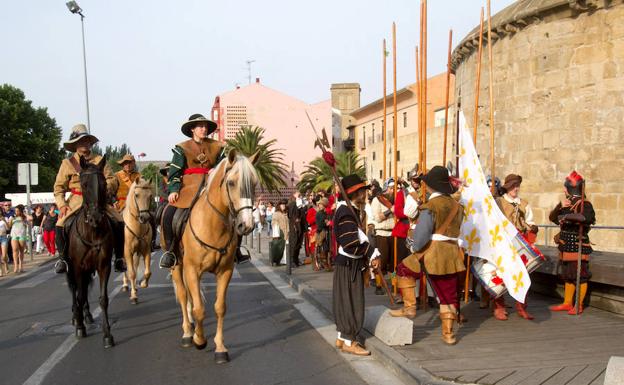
(138, 235)
(223, 210)
(90, 248)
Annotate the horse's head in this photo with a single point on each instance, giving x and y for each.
(93, 186)
(240, 181)
(141, 193)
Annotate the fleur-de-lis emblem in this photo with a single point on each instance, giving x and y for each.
(467, 177)
(462, 151)
(472, 238)
(505, 223)
(469, 209)
(518, 280)
(488, 203)
(496, 237)
(514, 254)
(499, 264)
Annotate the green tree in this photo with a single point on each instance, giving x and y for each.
(318, 175)
(114, 153)
(272, 171)
(27, 134)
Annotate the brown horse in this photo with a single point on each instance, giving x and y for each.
(222, 212)
(90, 248)
(138, 235)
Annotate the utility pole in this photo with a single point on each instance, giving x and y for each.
(249, 62)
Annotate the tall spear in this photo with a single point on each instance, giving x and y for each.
(328, 157)
(491, 89)
(424, 82)
(394, 134)
(448, 86)
(476, 123)
(383, 121)
(478, 82)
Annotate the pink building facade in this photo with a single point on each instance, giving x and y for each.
(282, 116)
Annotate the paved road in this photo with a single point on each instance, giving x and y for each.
(269, 340)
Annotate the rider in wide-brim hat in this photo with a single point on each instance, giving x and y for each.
(79, 134)
(192, 161)
(68, 181)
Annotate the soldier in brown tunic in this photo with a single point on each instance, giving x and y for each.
(125, 177)
(192, 161)
(68, 181)
(519, 213)
(435, 241)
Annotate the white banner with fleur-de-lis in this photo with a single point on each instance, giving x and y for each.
(486, 232)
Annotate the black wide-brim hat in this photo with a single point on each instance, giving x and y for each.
(164, 170)
(352, 183)
(438, 179)
(192, 122)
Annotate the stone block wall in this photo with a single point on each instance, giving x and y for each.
(559, 106)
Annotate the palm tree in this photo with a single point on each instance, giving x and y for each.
(272, 171)
(318, 175)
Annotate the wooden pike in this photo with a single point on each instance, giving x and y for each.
(448, 86)
(323, 144)
(385, 115)
(394, 136)
(491, 87)
(476, 123)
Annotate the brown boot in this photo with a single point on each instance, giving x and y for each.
(499, 309)
(522, 312)
(355, 349)
(407, 285)
(448, 336)
(339, 343)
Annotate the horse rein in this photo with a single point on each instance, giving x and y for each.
(227, 219)
(142, 237)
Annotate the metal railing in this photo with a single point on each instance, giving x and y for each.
(548, 240)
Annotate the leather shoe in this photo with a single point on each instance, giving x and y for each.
(355, 349)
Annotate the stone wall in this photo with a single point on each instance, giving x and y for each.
(559, 106)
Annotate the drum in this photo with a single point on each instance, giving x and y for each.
(485, 271)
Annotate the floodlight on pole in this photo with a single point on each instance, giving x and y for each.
(75, 9)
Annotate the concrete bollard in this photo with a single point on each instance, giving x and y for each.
(615, 371)
(390, 330)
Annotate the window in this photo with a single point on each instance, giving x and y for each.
(438, 117)
(398, 155)
(404, 119)
(374, 155)
(380, 174)
(373, 128)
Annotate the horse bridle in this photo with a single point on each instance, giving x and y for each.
(228, 220)
(136, 203)
(85, 211)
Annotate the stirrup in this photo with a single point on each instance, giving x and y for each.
(164, 264)
(61, 266)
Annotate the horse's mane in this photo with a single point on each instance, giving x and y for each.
(246, 173)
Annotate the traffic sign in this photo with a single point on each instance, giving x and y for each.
(23, 172)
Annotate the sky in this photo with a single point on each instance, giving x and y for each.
(151, 64)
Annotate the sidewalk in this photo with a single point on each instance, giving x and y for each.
(555, 348)
(28, 266)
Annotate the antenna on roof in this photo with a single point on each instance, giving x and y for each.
(249, 61)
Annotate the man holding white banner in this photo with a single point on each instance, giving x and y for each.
(487, 233)
(435, 240)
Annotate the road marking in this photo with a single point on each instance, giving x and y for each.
(369, 369)
(34, 281)
(213, 284)
(39, 375)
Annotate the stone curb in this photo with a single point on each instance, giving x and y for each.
(385, 354)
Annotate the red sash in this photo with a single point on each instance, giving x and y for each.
(197, 170)
(76, 192)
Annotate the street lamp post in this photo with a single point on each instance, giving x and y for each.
(75, 9)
